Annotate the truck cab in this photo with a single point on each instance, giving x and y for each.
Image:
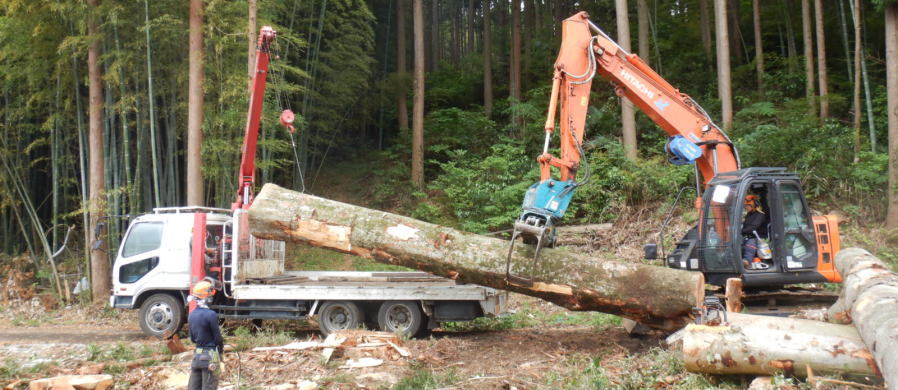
(153, 260)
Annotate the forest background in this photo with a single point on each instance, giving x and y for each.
(807, 84)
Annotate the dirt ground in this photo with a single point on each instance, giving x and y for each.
(38, 344)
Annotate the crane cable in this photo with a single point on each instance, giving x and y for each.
(278, 77)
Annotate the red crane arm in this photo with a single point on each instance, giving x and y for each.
(247, 176)
(583, 55)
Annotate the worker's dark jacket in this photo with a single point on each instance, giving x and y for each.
(204, 330)
(755, 221)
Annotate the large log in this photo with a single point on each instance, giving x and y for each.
(655, 296)
(869, 299)
(763, 345)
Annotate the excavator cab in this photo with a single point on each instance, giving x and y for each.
(802, 246)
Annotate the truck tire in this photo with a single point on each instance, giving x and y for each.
(401, 317)
(339, 315)
(161, 315)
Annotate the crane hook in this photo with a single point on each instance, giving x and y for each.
(287, 118)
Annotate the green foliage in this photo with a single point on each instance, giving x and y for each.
(483, 193)
(455, 129)
(459, 86)
(782, 135)
(529, 316)
(423, 378)
(584, 373)
(308, 258)
(616, 182)
(245, 338)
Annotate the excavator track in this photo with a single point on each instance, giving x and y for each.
(782, 302)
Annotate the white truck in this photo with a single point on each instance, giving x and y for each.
(164, 253)
(153, 272)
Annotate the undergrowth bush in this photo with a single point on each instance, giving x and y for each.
(783, 135)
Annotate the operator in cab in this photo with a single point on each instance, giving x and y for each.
(753, 229)
(206, 335)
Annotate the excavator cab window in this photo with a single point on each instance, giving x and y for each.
(760, 191)
(799, 242)
(716, 249)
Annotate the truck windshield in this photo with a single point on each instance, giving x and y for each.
(144, 237)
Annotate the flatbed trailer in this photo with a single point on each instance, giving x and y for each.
(152, 273)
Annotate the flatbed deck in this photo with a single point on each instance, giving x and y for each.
(356, 285)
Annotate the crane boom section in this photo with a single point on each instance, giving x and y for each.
(247, 173)
(675, 112)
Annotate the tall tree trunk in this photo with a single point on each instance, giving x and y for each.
(892, 88)
(151, 98)
(790, 35)
(759, 44)
(99, 263)
(195, 107)
(514, 84)
(126, 136)
(808, 37)
(628, 117)
(402, 107)
(455, 9)
(472, 7)
(857, 80)
(418, 109)
(871, 124)
(436, 46)
(821, 60)
(735, 30)
(705, 27)
(849, 63)
(487, 61)
(251, 44)
(642, 13)
(724, 88)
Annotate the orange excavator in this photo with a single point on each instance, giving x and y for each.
(802, 247)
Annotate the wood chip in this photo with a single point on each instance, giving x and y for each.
(362, 363)
(402, 351)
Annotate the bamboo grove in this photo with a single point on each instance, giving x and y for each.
(346, 68)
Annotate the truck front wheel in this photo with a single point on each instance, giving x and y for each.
(161, 315)
(339, 315)
(402, 317)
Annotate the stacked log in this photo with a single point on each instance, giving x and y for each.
(658, 297)
(869, 299)
(763, 345)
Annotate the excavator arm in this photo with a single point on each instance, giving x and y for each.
(694, 138)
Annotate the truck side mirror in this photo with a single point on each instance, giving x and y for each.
(651, 251)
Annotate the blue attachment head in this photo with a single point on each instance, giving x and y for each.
(550, 197)
(682, 151)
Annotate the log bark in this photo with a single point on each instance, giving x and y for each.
(762, 345)
(869, 298)
(658, 297)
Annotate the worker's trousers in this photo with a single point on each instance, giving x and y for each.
(749, 248)
(205, 379)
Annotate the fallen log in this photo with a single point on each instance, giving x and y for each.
(655, 296)
(869, 299)
(762, 345)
